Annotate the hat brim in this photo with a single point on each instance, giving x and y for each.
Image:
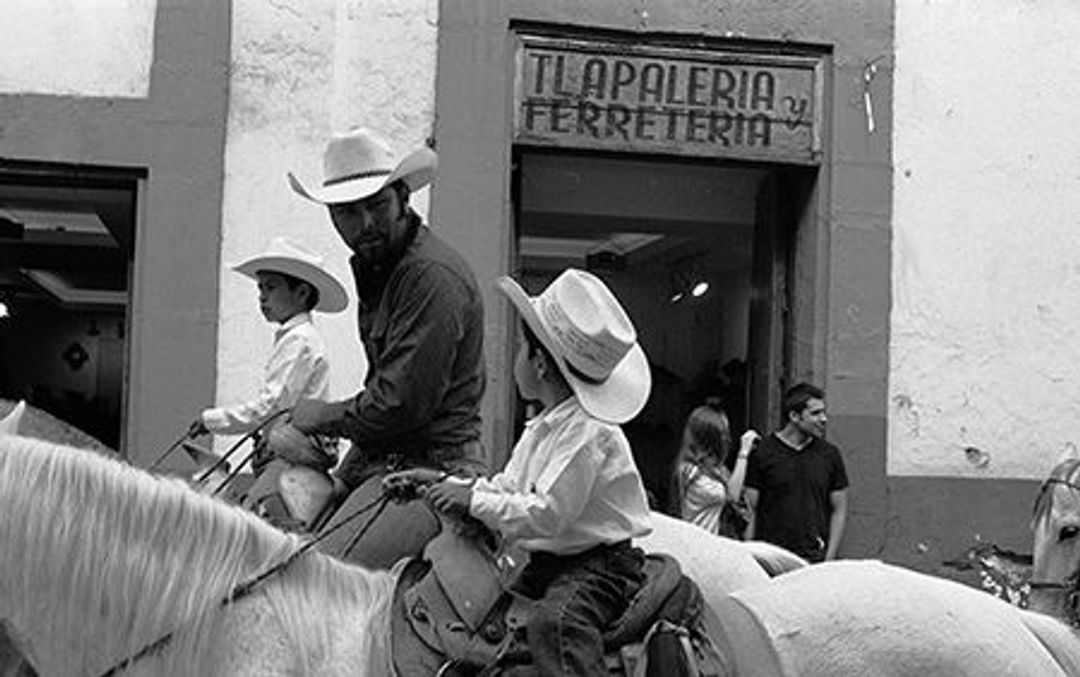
(332, 295)
(620, 397)
(417, 169)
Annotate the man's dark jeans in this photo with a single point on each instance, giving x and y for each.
(578, 597)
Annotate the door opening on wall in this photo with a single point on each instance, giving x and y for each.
(66, 250)
(698, 254)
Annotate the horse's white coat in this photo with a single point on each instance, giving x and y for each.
(1056, 526)
(98, 559)
(873, 619)
(717, 564)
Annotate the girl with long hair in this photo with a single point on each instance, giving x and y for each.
(709, 494)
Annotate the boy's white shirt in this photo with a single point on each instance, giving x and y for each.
(297, 369)
(570, 484)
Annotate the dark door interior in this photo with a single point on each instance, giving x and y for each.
(66, 253)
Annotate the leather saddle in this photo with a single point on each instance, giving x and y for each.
(292, 487)
(453, 612)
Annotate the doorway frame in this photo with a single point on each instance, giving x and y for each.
(474, 196)
(61, 176)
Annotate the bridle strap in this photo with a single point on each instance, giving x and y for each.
(1069, 588)
(1054, 480)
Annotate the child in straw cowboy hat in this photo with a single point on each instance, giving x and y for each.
(293, 282)
(570, 494)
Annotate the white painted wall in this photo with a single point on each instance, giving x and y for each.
(303, 69)
(985, 332)
(77, 47)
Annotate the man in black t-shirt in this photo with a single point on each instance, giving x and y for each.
(796, 485)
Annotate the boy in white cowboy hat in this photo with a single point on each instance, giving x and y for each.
(421, 321)
(292, 283)
(570, 495)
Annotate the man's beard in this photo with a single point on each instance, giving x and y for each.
(374, 259)
(372, 251)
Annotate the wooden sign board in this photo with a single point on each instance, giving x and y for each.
(661, 99)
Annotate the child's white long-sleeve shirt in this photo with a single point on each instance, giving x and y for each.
(570, 484)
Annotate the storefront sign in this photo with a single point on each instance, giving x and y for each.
(616, 96)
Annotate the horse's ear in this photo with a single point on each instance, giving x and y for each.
(9, 425)
(1069, 453)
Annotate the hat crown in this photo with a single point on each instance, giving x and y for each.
(586, 323)
(357, 154)
(360, 163)
(283, 247)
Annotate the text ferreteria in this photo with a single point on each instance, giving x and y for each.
(678, 101)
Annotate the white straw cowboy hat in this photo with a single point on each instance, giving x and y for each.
(290, 258)
(592, 339)
(359, 164)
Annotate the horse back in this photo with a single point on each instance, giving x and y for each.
(847, 618)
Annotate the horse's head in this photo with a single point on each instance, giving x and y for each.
(1055, 574)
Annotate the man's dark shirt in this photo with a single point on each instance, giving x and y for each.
(424, 342)
(793, 507)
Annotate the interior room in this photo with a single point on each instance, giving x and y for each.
(66, 243)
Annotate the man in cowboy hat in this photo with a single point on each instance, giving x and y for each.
(570, 494)
(421, 320)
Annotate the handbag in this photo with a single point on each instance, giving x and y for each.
(734, 518)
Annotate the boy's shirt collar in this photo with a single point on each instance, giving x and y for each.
(550, 418)
(291, 323)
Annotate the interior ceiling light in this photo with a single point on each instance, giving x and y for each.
(4, 312)
(687, 279)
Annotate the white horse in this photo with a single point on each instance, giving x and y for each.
(99, 560)
(1055, 570)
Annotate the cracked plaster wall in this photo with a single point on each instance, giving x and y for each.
(302, 70)
(984, 358)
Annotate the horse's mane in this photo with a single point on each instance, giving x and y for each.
(101, 559)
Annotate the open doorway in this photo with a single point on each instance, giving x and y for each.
(698, 253)
(66, 251)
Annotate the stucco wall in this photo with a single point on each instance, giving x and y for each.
(301, 70)
(985, 364)
(176, 132)
(77, 48)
